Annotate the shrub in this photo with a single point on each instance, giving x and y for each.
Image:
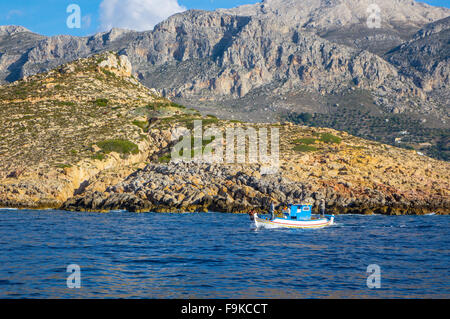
(179, 106)
(119, 146)
(305, 117)
(330, 138)
(306, 141)
(304, 148)
(211, 120)
(165, 158)
(407, 147)
(108, 73)
(142, 124)
(101, 102)
(65, 103)
(98, 156)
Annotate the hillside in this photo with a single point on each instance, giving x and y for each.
(278, 59)
(88, 136)
(58, 127)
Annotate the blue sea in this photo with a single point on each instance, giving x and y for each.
(213, 255)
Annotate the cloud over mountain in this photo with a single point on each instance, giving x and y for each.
(136, 14)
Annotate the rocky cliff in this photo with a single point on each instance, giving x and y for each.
(345, 21)
(425, 58)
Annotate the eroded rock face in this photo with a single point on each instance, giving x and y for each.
(425, 58)
(120, 65)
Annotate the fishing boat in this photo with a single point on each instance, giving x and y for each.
(297, 216)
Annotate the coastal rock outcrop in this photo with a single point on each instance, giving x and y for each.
(353, 176)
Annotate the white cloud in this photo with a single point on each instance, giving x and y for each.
(13, 13)
(136, 14)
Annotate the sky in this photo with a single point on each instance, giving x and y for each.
(52, 17)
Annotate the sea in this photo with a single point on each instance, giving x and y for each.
(57, 254)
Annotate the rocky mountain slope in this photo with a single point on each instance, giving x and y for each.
(345, 21)
(276, 60)
(87, 136)
(425, 58)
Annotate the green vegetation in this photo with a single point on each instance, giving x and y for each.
(406, 147)
(330, 138)
(165, 158)
(305, 144)
(101, 102)
(204, 142)
(304, 148)
(306, 141)
(119, 146)
(305, 117)
(188, 120)
(144, 125)
(359, 116)
(209, 121)
(98, 156)
(108, 73)
(179, 106)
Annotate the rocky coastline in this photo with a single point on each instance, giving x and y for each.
(197, 187)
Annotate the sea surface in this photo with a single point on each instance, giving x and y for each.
(213, 255)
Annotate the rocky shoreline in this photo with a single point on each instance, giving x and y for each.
(197, 187)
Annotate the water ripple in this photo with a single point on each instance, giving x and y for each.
(125, 255)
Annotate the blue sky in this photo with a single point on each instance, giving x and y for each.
(49, 17)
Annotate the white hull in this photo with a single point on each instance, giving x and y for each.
(288, 223)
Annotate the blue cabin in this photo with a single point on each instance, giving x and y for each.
(300, 212)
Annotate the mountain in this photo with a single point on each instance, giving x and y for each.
(87, 136)
(345, 21)
(278, 60)
(426, 57)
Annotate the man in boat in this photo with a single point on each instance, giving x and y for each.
(322, 207)
(252, 214)
(272, 210)
(286, 211)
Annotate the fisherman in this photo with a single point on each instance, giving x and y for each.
(272, 210)
(286, 212)
(322, 207)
